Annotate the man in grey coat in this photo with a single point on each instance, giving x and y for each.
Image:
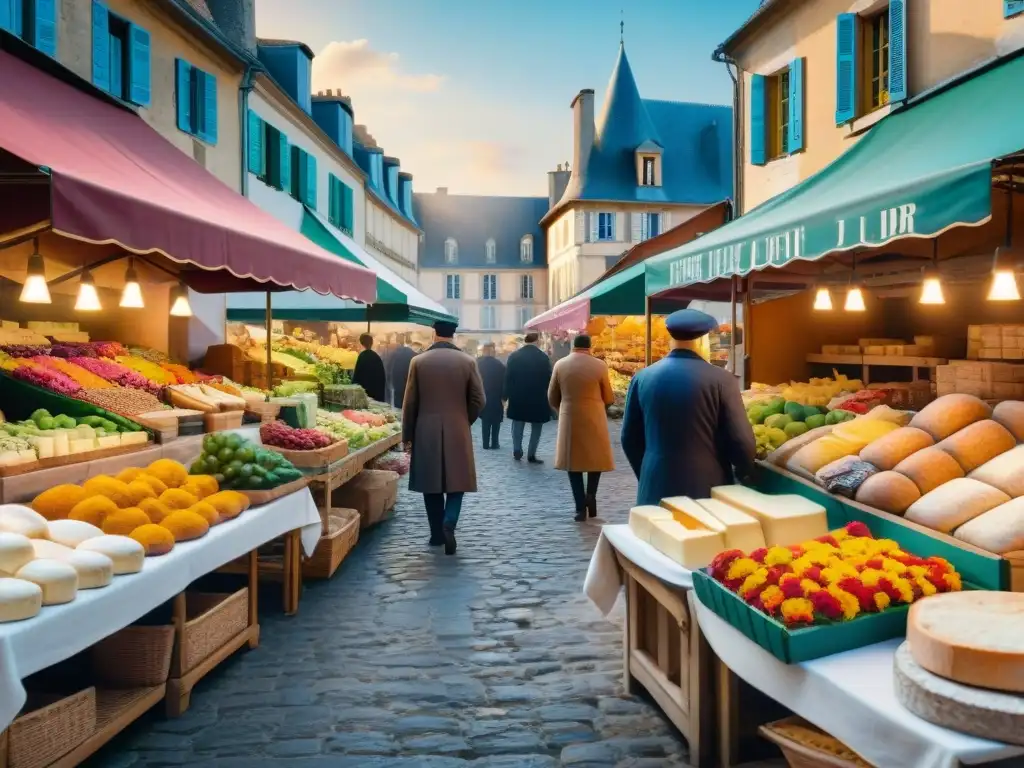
(398, 370)
(443, 397)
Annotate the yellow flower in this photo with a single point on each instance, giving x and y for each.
(881, 600)
(778, 556)
(916, 571)
(800, 565)
(854, 546)
(839, 534)
(904, 588)
(741, 568)
(809, 587)
(821, 555)
(927, 588)
(893, 566)
(753, 581)
(953, 581)
(870, 576)
(831, 575)
(856, 561)
(797, 609)
(772, 597)
(849, 603)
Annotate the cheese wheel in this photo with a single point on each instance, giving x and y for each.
(888, 491)
(975, 444)
(94, 570)
(128, 554)
(15, 518)
(71, 533)
(974, 638)
(1000, 530)
(19, 599)
(889, 450)
(15, 551)
(1010, 413)
(951, 505)
(1005, 472)
(930, 468)
(59, 581)
(949, 414)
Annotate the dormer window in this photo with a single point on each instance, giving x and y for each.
(648, 165)
(526, 249)
(648, 172)
(451, 251)
(490, 251)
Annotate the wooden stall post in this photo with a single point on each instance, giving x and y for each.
(732, 335)
(748, 286)
(647, 318)
(254, 583)
(268, 319)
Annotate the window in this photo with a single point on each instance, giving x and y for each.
(451, 251)
(876, 62)
(120, 51)
(603, 226)
(196, 97)
(1012, 8)
(339, 211)
(523, 316)
(526, 286)
(648, 177)
(34, 21)
(490, 288)
(488, 318)
(871, 53)
(453, 287)
(776, 113)
(650, 225)
(490, 251)
(269, 154)
(303, 182)
(526, 249)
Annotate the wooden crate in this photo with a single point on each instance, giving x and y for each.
(334, 546)
(50, 728)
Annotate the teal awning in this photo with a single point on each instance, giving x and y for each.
(920, 171)
(397, 300)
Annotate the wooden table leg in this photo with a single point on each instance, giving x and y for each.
(727, 688)
(296, 575)
(254, 586)
(629, 635)
(178, 698)
(286, 575)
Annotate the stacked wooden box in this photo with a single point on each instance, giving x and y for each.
(989, 381)
(995, 342)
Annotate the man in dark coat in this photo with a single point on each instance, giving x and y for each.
(526, 387)
(685, 429)
(398, 371)
(369, 370)
(492, 373)
(443, 397)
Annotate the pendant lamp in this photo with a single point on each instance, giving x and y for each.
(131, 295)
(822, 299)
(931, 286)
(35, 290)
(88, 300)
(179, 302)
(1004, 264)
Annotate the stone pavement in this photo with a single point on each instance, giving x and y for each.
(492, 658)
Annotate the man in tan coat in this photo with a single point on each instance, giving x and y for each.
(443, 397)
(581, 390)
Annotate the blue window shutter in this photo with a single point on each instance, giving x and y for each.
(45, 26)
(255, 132)
(183, 94)
(139, 66)
(796, 106)
(116, 67)
(209, 134)
(1012, 7)
(758, 122)
(347, 218)
(311, 181)
(100, 46)
(284, 180)
(10, 11)
(846, 67)
(897, 50)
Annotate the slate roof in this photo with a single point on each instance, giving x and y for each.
(273, 42)
(472, 220)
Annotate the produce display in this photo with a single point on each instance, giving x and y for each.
(45, 436)
(358, 434)
(346, 395)
(130, 402)
(205, 397)
(392, 461)
(238, 464)
(279, 435)
(291, 388)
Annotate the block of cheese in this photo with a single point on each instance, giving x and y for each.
(15, 551)
(94, 570)
(1000, 530)
(128, 554)
(640, 519)
(742, 531)
(692, 515)
(691, 549)
(19, 599)
(816, 455)
(71, 533)
(888, 491)
(975, 638)
(976, 443)
(930, 468)
(1010, 413)
(863, 431)
(15, 518)
(59, 581)
(889, 450)
(781, 455)
(951, 505)
(949, 414)
(1005, 472)
(785, 520)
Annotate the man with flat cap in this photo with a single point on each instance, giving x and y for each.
(443, 397)
(685, 429)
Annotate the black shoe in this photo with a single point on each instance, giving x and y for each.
(592, 506)
(534, 460)
(581, 516)
(436, 541)
(495, 447)
(449, 540)
(517, 456)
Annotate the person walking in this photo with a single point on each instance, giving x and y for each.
(369, 371)
(443, 397)
(492, 374)
(685, 430)
(398, 371)
(527, 376)
(581, 390)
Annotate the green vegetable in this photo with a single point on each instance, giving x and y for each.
(795, 428)
(794, 410)
(756, 414)
(778, 421)
(815, 421)
(39, 413)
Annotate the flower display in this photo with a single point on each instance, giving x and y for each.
(41, 376)
(118, 374)
(181, 373)
(111, 349)
(151, 371)
(834, 578)
(86, 379)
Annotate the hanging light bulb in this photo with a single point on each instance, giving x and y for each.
(822, 299)
(35, 290)
(1004, 277)
(179, 302)
(854, 299)
(131, 296)
(931, 289)
(88, 300)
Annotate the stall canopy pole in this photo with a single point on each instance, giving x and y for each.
(732, 335)
(647, 317)
(268, 320)
(748, 286)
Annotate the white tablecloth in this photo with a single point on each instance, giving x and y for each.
(59, 632)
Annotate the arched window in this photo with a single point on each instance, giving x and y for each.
(490, 251)
(451, 251)
(526, 249)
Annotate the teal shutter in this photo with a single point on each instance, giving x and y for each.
(1012, 7)
(183, 94)
(116, 67)
(255, 132)
(296, 180)
(209, 107)
(897, 50)
(347, 222)
(284, 179)
(796, 106)
(45, 26)
(846, 67)
(758, 123)
(334, 200)
(10, 16)
(100, 46)
(139, 66)
(310, 182)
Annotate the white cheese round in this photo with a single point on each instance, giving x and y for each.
(59, 581)
(94, 570)
(71, 533)
(128, 554)
(15, 551)
(15, 518)
(19, 599)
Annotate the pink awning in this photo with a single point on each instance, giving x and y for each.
(116, 180)
(571, 315)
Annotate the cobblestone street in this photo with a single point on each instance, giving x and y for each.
(411, 658)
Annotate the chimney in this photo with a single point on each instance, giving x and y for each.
(583, 129)
(442, 190)
(558, 180)
(237, 20)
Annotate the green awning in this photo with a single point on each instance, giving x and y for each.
(397, 300)
(920, 171)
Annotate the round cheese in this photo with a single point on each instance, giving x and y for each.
(951, 505)
(949, 414)
(975, 444)
(19, 599)
(94, 570)
(15, 551)
(930, 468)
(128, 554)
(15, 518)
(889, 450)
(59, 581)
(1000, 530)
(71, 533)
(888, 491)
(975, 638)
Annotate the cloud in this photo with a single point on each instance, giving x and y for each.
(354, 66)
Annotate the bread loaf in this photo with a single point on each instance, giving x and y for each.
(976, 443)
(1010, 413)
(1000, 530)
(949, 414)
(930, 468)
(1005, 472)
(953, 504)
(888, 491)
(863, 431)
(889, 450)
(19, 599)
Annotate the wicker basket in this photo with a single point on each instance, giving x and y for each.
(341, 538)
(135, 657)
(52, 728)
(212, 620)
(218, 422)
(806, 746)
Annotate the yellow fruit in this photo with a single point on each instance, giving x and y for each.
(229, 504)
(155, 483)
(207, 485)
(170, 473)
(92, 510)
(56, 503)
(130, 474)
(185, 525)
(139, 490)
(176, 498)
(206, 511)
(112, 488)
(123, 521)
(155, 538)
(155, 509)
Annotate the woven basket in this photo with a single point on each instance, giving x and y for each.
(806, 746)
(213, 619)
(47, 733)
(333, 547)
(135, 657)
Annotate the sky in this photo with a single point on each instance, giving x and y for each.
(474, 95)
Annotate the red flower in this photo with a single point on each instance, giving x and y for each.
(813, 573)
(865, 595)
(720, 565)
(791, 588)
(875, 563)
(796, 549)
(828, 538)
(857, 528)
(756, 603)
(758, 554)
(827, 605)
(775, 573)
(937, 577)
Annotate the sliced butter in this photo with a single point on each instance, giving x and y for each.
(640, 519)
(742, 531)
(691, 549)
(785, 520)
